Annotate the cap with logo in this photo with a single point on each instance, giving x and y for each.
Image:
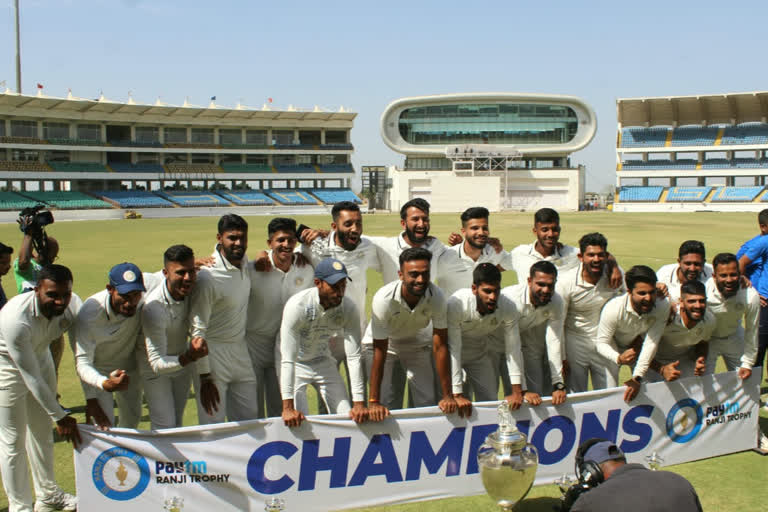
(603, 451)
(331, 271)
(126, 278)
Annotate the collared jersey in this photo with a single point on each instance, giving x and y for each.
(25, 337)
(468, 331)
(523, 256)
(165, 323)
(756, 249)
(668, 275)
(305, 334)
(620, 324)
(357, 261)
(677, 338)
(268, 294)
(583, 302)
(731, 313)
(488, 255)
(106, 341)
(393, 319)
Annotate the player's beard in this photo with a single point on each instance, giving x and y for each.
(416, 238)
(345, 242)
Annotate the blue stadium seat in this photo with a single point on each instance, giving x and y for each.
(134, 199)
(67, 200)
(694, 136)
(716, 163)
(291, 196)
(335, 195)
(745, 133)
(638, 194)
(687, 194)
(14, 201)
(202, 198)
(658, 165)
(639, 137)
(739, 194)
(246, 197)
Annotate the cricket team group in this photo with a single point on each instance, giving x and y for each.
(250, 336)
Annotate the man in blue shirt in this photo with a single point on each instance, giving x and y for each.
(753, 262)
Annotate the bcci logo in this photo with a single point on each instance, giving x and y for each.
(684, 420)
(120, 474)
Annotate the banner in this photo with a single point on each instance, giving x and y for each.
(330, 463)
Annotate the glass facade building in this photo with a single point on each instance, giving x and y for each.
(478, 123)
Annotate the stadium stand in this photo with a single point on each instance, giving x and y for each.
(14, 201)
(75, 142)
(191, 145)
(26, 166)
(255, 168)
(246, 197)
(134, 199)
(295, 168)
(285, 196)
(67, 200)
(335, 195)
(145, 167)
(694, 136)
(750, 163)
(651, 165)
(736, 194)
(346, 147)
(202, 198)
(10, 139)
(715, 163)
(745, 133)
(687, 194)
(640, 194)
(638, 137)
(246, 146)
(77, 167)
(193, 168)
(135, 144)
(337, 168)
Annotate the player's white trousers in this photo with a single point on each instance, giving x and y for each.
(419, 372)
(25, 424)
(167, 396)
(731, 348)
(585, 362)
(128, 401)
(235, 380)
(262, 352)
(536, 361)
(479, 373)
(323, 374)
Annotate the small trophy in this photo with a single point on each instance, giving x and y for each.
(274, 504)
(565, 482)
(507, 462)
(654, 461)
(174, 504)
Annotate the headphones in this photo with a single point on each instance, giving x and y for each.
(588, 472)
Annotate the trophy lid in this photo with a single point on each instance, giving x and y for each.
(507, 434)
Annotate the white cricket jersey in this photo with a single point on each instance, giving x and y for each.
(393, 319)
(25, 338)
(620, 324)
(583, 302)
(357, 261)
(165, 323)
(268, 294)
(488, 255)
(731, 312)
(106, 341)
(551, 314)
(468, 331)
(152, 280)
(306, 331)
(668, 275)
(445, 266)
(677, 338)
(523, 256)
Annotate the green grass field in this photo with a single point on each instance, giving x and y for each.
(735, 482)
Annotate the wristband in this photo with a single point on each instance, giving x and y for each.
(373, 400)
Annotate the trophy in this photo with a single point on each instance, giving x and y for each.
(274, 504)
(654, 461)
(507, 462)
(174, 504)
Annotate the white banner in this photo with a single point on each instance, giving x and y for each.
(331, 463)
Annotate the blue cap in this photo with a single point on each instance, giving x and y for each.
(603, 451)
(331, 271)
(126, 278)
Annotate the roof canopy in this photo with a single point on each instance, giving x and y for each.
(732, 108)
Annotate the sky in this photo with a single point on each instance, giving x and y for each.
(363, 56)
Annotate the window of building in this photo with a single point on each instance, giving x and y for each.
(335, 137)
(55, 130)
(23, 128)
(256, 159)
(258, 137)
(89, 131)
(175, 135)
(202, 158)
(309, 137)
(147, 134)
(230, 158)
(25, 155)
(282, 136)
(284, 159)
(202, 135)
(230, 137)
(2, 127)
(57, 156)
(175, 158)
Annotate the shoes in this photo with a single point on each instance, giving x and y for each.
(57, 500)
(762, 444)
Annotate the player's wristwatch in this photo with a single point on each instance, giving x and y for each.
(558, 387)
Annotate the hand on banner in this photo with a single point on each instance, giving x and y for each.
(558, 397)
(95, 415)
(209, 394)
(745, 373)
(447, 404)
(376, 411)
(670, 371)
(515, 400)
(66, 427)
(292, 417)
(358, 413)
(701, 366)
(633, 388)
(627, 357)
(532, 398)
(454, 239)
(464, 405)
(118, 380)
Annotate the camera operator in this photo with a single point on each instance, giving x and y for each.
(5, 266)
(627, 487)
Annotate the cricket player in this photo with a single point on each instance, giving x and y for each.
(270, 290)
(547, 247)
(28, 404)
(310, 319)
(691, 266)
(106, 349)
(218, 308)
(166, 363)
